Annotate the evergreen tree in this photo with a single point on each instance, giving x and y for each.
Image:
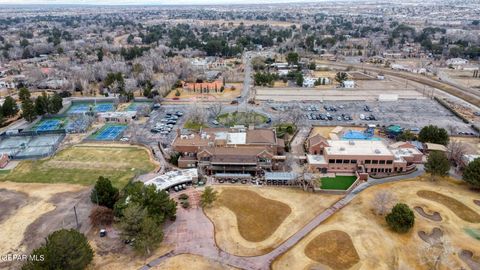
(401, 219)
(9, 107)
(63, 249)
(433, 134)
(23, 94)
(437, 164)
(104, 193)
(28, 110)
(208, 197)
(471, 174)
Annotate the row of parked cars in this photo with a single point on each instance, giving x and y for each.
(328, 117)
(167, 123)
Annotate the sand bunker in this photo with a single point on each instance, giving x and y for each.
(472, 261)
(435, 216)
(334, 249)
(436, 234)
(458, 208)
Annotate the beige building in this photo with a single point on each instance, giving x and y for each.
(363, 156)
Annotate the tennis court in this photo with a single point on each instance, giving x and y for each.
(109, 132)
(48, 125)
(24, 147)
(91, 106)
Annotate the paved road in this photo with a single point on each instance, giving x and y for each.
(198, 237)
(467, 94)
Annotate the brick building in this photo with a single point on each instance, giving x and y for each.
(230, 150)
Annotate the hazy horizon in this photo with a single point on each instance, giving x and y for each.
(147, 2)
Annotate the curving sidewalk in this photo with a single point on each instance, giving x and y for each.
(194, 233)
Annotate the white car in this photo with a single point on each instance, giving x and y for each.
(362, 116)
(215, 122)
(124, 139)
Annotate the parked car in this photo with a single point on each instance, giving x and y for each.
(215, 122)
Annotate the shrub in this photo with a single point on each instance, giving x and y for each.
(183, 196)
(185, 204)
(401, 219)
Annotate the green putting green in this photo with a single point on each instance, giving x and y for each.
(338, 182)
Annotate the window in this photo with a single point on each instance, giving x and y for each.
(353, 161)
(331, 161)
(374, 161)
(382, 161)
(338, 161)
(389, 161)
(368, 161)
(346, 161)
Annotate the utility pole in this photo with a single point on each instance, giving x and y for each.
(76, 216)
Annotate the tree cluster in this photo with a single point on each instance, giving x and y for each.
(433, 134)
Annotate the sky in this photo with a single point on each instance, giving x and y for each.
(147, 2)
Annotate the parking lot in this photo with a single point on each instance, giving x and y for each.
(155, 129)
(411, 114)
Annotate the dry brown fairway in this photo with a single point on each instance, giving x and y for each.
(457, 207)
(257, 217)
(380, 248)
(302, 206)
(333, 248)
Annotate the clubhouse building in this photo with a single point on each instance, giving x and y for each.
(238, 150)
(362, 156)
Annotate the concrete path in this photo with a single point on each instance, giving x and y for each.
(194, 233)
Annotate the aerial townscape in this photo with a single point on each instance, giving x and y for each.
(258, 135)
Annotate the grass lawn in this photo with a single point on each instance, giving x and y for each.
(338, 182)
(257, 217)
(241, 118)
(83, 165)
(193, 125)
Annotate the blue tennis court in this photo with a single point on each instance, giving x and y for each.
(49, 124)
(110, 132)
(85, 107)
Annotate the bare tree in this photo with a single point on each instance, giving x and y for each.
(452, 129)
(383, 202)
(196, 114)
(455, 151)
(216, 109)
(436, 254)
(295, 116)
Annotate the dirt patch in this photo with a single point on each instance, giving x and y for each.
(10, 202)
(16, 231)
(334, 249)
(435, 216)
(63, 216)
(190, 261)
(257, 217)
(434, 235)
(460, 209)
(468, 257)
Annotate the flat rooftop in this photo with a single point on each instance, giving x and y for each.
(173, 178)
(316, 159)
(358, 148)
